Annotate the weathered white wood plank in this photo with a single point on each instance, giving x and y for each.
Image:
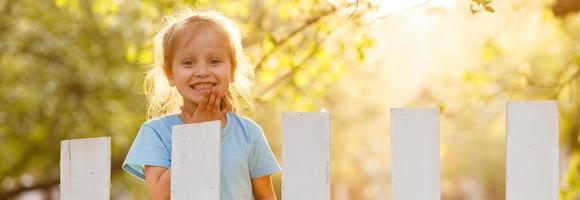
(195, 161)
(306, 156)
(415, 154)
(85, 169)
(532, 151)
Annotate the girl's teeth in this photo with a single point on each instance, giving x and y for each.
(202, 86)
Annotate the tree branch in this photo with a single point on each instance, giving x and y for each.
(557, 88)
(294, 69)
(286, 38)
(561, 86)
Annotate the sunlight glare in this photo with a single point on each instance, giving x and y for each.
(389, 7)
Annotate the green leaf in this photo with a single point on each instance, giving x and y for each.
(489, 9)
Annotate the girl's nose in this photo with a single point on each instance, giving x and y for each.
(202, 71)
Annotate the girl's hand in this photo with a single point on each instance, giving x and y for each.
(207, 110)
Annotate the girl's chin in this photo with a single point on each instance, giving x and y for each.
(191, 101)
(201, 92)
(195, 97)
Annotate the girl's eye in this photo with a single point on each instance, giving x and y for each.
(187, 62)
(215, 61)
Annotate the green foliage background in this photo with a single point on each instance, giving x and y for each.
(74, 69)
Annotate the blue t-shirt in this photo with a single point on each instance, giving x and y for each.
(245, 153)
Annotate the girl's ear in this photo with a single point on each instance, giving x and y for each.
(169, 74)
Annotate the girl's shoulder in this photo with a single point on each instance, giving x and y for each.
(245, 121)
(162, 123)
(248, 126)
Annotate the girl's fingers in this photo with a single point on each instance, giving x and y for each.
(202, 105)
(189, 111)
(212, 99)
(216, 104)
(209, 108)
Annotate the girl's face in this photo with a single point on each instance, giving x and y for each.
(202, 62)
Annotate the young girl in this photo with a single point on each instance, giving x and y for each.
(200, 74)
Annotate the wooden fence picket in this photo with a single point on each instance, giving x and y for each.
(195, 162)
(532, 161)
(306, 156)
(532, 157)
(85, 169)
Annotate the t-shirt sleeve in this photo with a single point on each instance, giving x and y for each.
(262, 161)
(147, 149)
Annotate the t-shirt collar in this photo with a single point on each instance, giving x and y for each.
(224, 130)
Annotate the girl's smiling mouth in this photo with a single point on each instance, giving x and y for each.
(202, 86)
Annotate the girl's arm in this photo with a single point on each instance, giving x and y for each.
(262, 188)
(158, 180)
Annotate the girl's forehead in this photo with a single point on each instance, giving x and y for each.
(200, 31)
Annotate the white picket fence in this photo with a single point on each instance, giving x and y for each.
(531, 157)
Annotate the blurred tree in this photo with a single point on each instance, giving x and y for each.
(563, 7)
(73, 69)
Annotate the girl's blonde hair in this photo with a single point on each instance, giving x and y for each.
(164, 99)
